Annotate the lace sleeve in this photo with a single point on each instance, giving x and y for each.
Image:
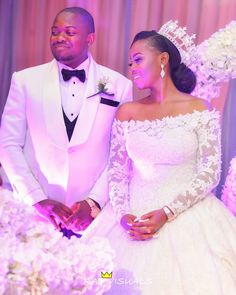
(208, 163)
(119, 171)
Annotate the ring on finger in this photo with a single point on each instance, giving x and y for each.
(155, 235)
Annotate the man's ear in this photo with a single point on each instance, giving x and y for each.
(90, 38)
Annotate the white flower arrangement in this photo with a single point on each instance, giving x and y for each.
(35, 259)
(219, 53)
(229, 191)
(214, 61)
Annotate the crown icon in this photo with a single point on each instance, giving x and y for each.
(106, 275)
(178, 35)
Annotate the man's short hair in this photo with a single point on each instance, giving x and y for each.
(84, 13)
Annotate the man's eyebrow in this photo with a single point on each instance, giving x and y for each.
(67, 27)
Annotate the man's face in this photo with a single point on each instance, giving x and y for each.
(70, 39)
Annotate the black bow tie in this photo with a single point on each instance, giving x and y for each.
(67, 74)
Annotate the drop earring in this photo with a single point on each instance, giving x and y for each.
(162, 71)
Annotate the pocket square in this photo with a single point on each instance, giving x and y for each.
(109, 102)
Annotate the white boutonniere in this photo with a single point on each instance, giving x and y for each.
(104, 87)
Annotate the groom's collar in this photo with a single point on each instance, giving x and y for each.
(84, 65)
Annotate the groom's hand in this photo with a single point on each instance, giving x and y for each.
(81, 217)
(53, 211)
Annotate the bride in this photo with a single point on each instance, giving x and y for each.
(171, 235)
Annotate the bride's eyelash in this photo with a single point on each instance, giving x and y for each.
(137, 60)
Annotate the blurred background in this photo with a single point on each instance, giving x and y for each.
(25, 30)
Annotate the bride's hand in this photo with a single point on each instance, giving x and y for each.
(148, 225)
(127, 221)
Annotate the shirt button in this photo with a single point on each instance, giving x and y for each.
(73, 95)
(72, 114)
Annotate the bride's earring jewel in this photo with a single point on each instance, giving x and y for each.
(162, 71)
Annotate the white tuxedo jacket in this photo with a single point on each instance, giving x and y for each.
(34, 149)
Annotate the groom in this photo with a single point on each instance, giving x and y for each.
(56, 127)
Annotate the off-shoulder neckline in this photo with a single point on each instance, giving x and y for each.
(167, 117)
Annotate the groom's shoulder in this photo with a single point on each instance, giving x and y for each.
(37, 68)
(34, 73)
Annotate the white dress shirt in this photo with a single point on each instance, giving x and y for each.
(72, 91)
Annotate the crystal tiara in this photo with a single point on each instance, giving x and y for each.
(178, 36)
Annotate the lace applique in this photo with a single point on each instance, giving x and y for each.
(119, 171)
(156, 127)
(205, 124)
(208, 162)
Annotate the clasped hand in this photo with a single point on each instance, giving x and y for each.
(146, 226)
(75, 218)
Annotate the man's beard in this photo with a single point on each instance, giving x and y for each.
(63, 58)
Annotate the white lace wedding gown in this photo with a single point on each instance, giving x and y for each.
(175, 162)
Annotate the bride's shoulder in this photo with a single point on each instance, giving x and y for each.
(127, 110)
(197, 104)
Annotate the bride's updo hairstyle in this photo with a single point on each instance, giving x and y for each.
(183, 77)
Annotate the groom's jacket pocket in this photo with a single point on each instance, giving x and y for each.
(109, 102)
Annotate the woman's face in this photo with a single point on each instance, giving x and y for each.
(145, 64)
